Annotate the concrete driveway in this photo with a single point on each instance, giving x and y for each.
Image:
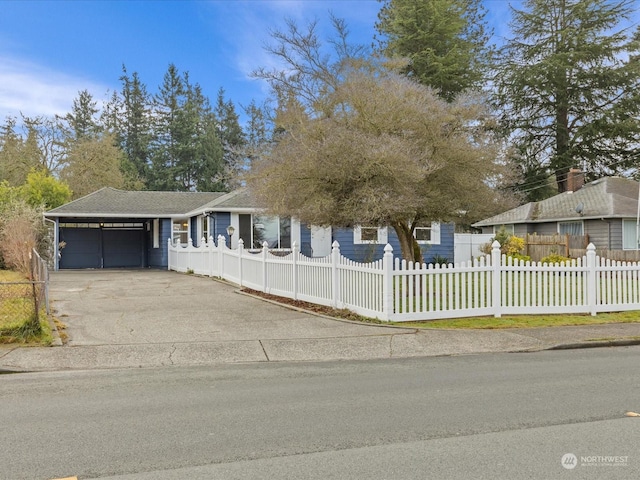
(125, 307)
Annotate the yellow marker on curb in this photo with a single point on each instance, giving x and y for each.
(66, 478)
(632, 414)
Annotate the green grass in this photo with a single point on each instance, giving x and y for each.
(528, 321)
(16, 314)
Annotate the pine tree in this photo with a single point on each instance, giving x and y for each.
(567, 86)
(444, 41)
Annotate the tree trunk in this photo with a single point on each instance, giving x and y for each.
(408, 245)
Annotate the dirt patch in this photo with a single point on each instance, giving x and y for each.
(342, 313)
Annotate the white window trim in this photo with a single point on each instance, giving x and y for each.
(383, 237)
(202, 221)
(174, 232)
(435, 234)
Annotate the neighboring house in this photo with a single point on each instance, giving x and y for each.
(112, 228)
(606, 210)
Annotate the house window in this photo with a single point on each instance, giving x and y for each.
(507, 228)
(369, 235)
(428, 234)
(570, 228)
(629, 233)
(257, 229)
(180, 231)
(203, 228)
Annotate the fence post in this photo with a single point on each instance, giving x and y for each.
(592, 279)
(240, 250)
(265, 250)
(294, 251)
(387, 283)
(496, 271)
(169, 254)
(335, 274)
(222, 243)
(210, 247)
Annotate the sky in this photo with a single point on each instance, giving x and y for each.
(52, 49)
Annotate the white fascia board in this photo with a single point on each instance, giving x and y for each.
(106, 215)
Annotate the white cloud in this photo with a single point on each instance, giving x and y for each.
(34, 90)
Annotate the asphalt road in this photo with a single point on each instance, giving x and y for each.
(490, 416)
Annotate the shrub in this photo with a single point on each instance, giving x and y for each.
(21, 230)
(555, 258)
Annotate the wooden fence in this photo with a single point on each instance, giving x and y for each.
(394, 290)
(539, 246)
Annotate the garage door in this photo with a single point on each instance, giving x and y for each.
(82, 248)
(100, 247)
(122, 248)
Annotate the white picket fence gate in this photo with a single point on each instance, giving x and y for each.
(394, 290)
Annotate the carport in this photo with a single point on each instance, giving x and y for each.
(90, 244)
(113, 228)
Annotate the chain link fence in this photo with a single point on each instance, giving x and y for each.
(22, 301)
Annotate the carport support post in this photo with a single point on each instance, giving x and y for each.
(169, 261)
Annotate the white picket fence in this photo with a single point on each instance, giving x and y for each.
(394, 290)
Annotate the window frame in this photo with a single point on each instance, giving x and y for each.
(382, 236)
(571, 222)
(179, 233)
(434, 234)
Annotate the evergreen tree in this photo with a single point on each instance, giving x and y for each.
(135, 130)
(567, 86)
(444, 41)
(186, 152)
(17, 157)
(81, 121)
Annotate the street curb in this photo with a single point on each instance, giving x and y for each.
(596, 344)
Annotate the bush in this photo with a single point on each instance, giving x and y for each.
(21, 230)
(555, 258)
(510, 245)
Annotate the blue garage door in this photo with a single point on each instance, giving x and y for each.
(122, 248)
(82, 248)
(96, 246)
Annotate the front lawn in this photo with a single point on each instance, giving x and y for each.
(528, 321)
(17, 310)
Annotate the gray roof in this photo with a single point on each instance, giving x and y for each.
(609, 197)
(110, 202)
(239, 200)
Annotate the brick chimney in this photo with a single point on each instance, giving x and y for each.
(575, 179)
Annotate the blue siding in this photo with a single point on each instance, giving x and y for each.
(222, 221)
(369, 252)
(158, 257)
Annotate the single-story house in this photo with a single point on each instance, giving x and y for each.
(606, 210)
(113, 228)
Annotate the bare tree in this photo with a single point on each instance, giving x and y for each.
(361, 145)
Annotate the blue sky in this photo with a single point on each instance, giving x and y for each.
(52, 49)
